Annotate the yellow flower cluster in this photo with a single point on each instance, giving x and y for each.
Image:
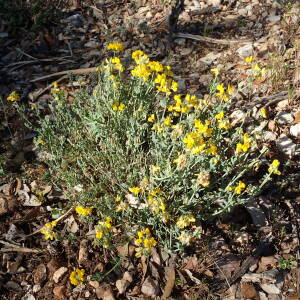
(239, 188)
(48, 232)
(222, 123)
(184, 106)
(185, 221)
(83, 211)
(122, 206)
(13, 96)
(195, 140)
(145, 242)
(118, 106)
(135, 190)
(116, 64)
(273, 168)
(156, 202)
(102, 232)
(118, 47)
(224, 94)
(77, 276)
(245, 146)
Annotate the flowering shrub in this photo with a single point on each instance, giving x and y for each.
(144, 154)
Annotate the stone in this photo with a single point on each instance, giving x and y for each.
(60, 291)
(286, 145)
(273, 19)
(269, 136)
(284, 118)
(180, 41)
(270, 288)
(127, 276)
(248, 291)
(205, 79)
(13, 286)
(245, 51)
(150, 287)
(122, 285)
(59, 273)
(36, 288)
(295, 130)
(210, 58)
(215, 3)
(283, 104)
(94, 284)
(39, 274)
(28, 297)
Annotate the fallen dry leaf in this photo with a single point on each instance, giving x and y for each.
(170, 277)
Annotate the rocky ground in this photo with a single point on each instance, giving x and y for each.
(250, 253)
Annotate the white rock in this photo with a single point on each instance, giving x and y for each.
(245, 51)
(262, 296)
(127, 276)
(214, 2)
(210, 58)
(283, 104)
(59, 273)
(94, 284)
(36, 288)
(91, 44)
(270, 288)
(273, 18)
(286, 145)
(28, 297)
(295, 130)
(284, 117)
(122, 285)
(269, 136)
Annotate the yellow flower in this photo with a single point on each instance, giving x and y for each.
(245, 146)
(167, 121)
(13, 96)
(263, 112)
(140, 57)
(240, 187)
(155, 169)
(224, 124)
(119, 107)
(185, 220)
(158, 128)
(155, 66)
(117, 64)
(273, 168)
(151, 119)
(77, 276)
(42, 142)
(145, 242)
(220, 115)
(180, 160)
(249, 59)
(135, 190)
(115, 47)
(141, 71)
(215, 71)
(83, 211)
(122, 206)
(48, 232)
(108, 222)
